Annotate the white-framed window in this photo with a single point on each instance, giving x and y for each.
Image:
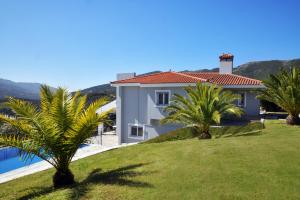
(242, 101)
(162, 97)
(136, 131)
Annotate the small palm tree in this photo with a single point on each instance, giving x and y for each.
(203, 106)
(283, 89)
(55, 131)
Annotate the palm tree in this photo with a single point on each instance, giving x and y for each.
(283, 89)
(203, 106)
(55, 131)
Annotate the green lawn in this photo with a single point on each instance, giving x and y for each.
(265, 166)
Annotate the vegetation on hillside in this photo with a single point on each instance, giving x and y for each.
(262, 69)
(55, 131)
(258, 69)
(203, 106)
(7, 111)
(283, 89)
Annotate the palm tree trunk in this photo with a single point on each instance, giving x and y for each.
(205, 134)
(63, 177)
(293, 120)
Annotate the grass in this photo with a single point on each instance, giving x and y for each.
(253, 128)
(265, 166)
(179, 134)
(226, 131)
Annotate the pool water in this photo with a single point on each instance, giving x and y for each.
(10, 159)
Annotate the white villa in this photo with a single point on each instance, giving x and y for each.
(140, 100)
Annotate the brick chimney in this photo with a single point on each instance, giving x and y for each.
(226, 63)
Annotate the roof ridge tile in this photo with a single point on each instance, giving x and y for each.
(191, 77)
(139, 76)
(246, 77)
(182, 74)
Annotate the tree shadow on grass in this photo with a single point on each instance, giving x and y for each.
(37, 191)
(120, 176)
(250, 133)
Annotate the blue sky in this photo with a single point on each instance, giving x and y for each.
(78, 44)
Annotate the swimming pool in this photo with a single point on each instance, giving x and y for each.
(10, 159)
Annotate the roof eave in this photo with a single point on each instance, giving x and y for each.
(124, 84)
(261, 86)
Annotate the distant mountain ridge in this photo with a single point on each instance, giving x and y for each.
(262, 69)
(258, 70)
(20, 90)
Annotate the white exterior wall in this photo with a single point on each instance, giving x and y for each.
(226, 67)
(252, 104)
(136, 105)
(119, 113)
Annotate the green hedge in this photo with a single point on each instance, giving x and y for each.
(253, 128)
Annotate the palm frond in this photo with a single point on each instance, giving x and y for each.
(283, 89)
(55, 131)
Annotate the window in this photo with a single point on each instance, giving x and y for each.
(162, 97)
(136, 130)
(242, 100)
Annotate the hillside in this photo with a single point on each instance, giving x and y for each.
(22, 90)
(99, 89)
(26, 91)
(262, 69)
(19, 90)
(258, 69)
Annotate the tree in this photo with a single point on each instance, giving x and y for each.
(283, 89)
(55, 131)
(203, 106)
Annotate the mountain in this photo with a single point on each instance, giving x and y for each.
(29, 91)
(258, 70)
(25, 91)
(99, 91)
(262, 69)
(103, 89)
(19, 90)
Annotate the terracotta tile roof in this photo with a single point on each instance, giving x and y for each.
(189, 77)
(163, 77)
(226, 79)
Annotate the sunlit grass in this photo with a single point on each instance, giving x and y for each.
(264, 166)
